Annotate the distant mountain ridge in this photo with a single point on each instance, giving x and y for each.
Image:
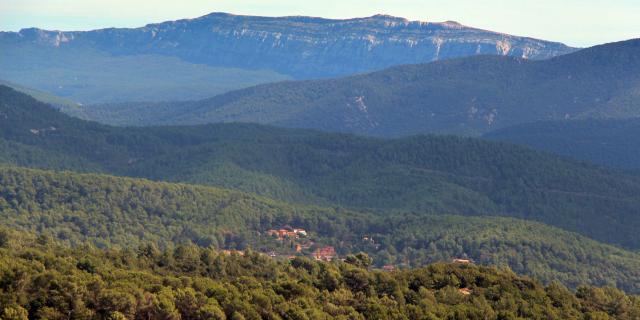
(302, 47)
(469, 96)
(297, 47)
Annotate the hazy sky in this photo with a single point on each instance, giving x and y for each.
(575, 22)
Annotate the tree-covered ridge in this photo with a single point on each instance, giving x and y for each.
(610, 142)
(424, 174)
(107, 212)
(468, 96)
(43, 96)
(542, 252)
(41, 280)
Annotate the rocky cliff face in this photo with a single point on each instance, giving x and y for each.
(302, 47)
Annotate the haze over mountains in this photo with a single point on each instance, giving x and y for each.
(467, 96)
(427, 174)
(220, 52)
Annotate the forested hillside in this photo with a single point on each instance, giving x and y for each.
(40, 280)
(613, 143)
(425, 174)
(467, 96)
(233, 167)
(45, 97)
(109, 212)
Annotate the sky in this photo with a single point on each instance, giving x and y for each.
(578, 23)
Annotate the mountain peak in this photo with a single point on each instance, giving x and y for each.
(453, 23)
(385, 20)
(219, 14)
(388, 17)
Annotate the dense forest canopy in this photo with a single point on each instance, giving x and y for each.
(41, 280)
(611, 142)
(423, 174)
(111, 212)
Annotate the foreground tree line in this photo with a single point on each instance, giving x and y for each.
(40, 279)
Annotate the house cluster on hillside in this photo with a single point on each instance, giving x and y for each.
(300, 242)
(287, 232)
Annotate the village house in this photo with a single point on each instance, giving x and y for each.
(463, 261)
(388, 268)
(300, 232)
(325, 254)
(465, 291)
(230, 252)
